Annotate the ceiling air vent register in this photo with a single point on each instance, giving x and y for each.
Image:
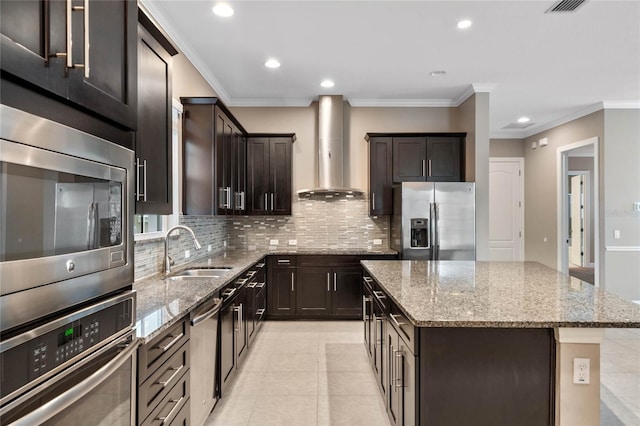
(565, 6)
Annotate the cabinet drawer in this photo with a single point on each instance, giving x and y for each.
(156, 352)
(406, 330)
(328, 260)
(161, 382)
(275, 261)
(174, 408)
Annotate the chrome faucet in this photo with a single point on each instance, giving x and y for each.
(167, 259)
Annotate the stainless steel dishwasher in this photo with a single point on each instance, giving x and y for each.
(204, 338)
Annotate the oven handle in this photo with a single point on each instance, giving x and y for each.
(68, 398)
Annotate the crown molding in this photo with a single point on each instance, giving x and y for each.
(270, 103)
(535, 129)
(193, 57)
(621, 104)
(407, 103)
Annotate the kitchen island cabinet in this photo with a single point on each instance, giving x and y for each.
(459, 320)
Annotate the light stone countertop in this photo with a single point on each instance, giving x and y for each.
(161, 302)
(498, 294)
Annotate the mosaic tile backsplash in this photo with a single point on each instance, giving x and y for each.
(328, 223)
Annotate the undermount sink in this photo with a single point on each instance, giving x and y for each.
(205, 272)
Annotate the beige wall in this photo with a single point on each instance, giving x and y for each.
(541, 183)
(187, 80)
(506, 148)
(358, 121)
(621, 189)
(473, 118)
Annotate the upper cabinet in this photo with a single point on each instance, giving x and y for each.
(80, 51)
(269, 174)
(154, 133)
(214, 159)
(380, 176)
(427, 158)
(411, 157)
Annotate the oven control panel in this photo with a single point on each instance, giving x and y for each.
(68, 341)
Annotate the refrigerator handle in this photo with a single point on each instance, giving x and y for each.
(432, 230)
(437, 210)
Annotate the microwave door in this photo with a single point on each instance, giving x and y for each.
(75, 217)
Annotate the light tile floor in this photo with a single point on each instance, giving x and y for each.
(305, 373)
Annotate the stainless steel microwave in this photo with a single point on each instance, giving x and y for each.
(65, 234)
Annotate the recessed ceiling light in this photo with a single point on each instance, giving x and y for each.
(464, 24)
(523, 120)
(327, 83)
(272, 63)
(437, 73)
(223, 9)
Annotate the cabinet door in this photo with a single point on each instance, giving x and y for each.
(241, 319)
(198, 153)
(313, 295)
(444, 159)
(240, 173)
(367, 306)
(405, 364)
(281, 291)
(258, 175)
(153, 137)
(32, 33)
(409, 159)
(280, 176)
(227, 349)
(106, 84)
(347, 292)
(223, 147)
(380, 176)
(393, 392)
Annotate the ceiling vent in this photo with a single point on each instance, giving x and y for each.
(518, 125)
(565, 6)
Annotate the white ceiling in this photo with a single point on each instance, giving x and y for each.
(549, 67)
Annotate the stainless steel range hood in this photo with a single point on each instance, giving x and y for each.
(330, 149)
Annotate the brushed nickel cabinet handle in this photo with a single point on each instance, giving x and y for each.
(272, 203)
(173, 341)
(398, 324)
(430, 170)
(176, 371)
(373, 200)
(335, 278)
(292, 290)
(170, 414)
(424, 172)
(328, 282)
(399, 379)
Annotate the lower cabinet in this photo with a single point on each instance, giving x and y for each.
(401, 390)
(281, 292)
(233, 336)
(163, 377)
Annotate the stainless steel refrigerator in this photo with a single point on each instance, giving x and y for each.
(434, 220)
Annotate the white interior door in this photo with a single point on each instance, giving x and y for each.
(576, 208)
(506, 210)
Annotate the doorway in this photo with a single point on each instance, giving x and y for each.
(506, 208)
(578, 242)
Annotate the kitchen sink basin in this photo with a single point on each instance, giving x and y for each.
(206, 272)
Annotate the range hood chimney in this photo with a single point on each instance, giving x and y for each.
(330, 149)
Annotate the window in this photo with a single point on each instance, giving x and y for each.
(150, 226)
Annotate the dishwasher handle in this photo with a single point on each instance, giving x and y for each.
(198, 319)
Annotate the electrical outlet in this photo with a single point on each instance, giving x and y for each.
(377, 242)
(581, 372)
(293, 242)
(616, 234)
(187, 254)
(273, 242)
(209, 247)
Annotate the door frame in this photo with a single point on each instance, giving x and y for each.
(562, 191)
(520, 161)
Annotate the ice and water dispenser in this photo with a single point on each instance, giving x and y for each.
(419, 233)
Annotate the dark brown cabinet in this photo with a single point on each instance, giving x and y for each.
(269, 174)
(163, 375)
(380, 176)
(214, 159)
(153, 136)
(281, 286)
(313, 298)
(88, 61)
(427, 158)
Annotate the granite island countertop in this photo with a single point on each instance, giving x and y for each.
(161, 301)
(498, 294)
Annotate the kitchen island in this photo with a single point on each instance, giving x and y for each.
(489, 342)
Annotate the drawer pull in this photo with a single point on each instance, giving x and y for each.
(174, 340)
(259, 265)
(170, 415)
(242, 281)
(379, 295)
(250, 274)
(228, 292)
(398, 324)
(399, 381)
(260, 285)
(170, 379)
(251, 285)
(367, 280)
(283, 261)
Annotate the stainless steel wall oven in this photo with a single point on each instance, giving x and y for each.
(67, 308)
(65, 236)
